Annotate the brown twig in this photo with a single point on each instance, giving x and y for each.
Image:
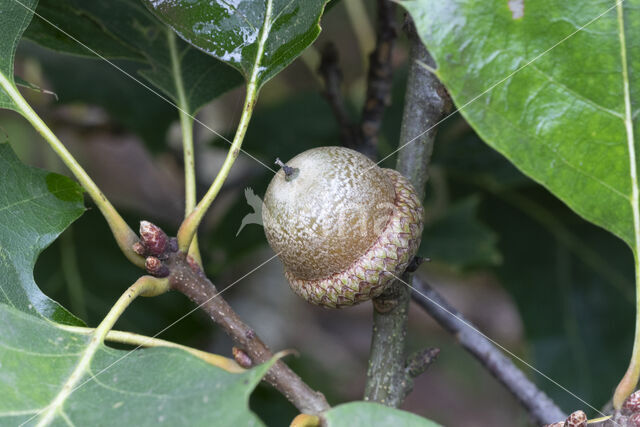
(379, 79)
(332, 76)
(536, 402)
(425, 104)
(418, 362)
(363, 136)
(187, 278)
(416, 365)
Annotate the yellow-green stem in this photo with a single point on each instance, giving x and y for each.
(630, 380)
(186, 126)
(190, 224)
(123, 337)
(599, 420)
(147, 286)
(123, 234)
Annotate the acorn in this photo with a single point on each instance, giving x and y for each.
(343, 227)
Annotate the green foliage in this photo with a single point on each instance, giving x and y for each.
(125, 29)
(459, 239)
(260, 37)
(365, 414)
(564, 274)
(143, 387)
(573, 286)
(557, 101)
(35, 207)
(14, 18)
(560, 119)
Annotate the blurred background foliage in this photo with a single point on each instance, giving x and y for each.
(529, 272)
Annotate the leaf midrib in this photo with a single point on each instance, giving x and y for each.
(31, 199)
(628, 121)
(262, 41)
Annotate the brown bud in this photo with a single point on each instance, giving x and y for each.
(139, 248)
(242, 357)
(153, 238)
(173, 244)
(632, 404)
(576, 419)
(155, 267)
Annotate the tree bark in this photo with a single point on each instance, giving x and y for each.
(187, 278)
(426, 102)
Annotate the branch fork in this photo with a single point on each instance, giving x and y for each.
(185, 275)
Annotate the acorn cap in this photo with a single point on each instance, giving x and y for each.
(343, 227)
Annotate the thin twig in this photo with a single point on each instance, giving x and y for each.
(418, 362)
(363, 136)
(380, 78)
(332, 77)
(536, 402)
(188, 279)
(425, 103)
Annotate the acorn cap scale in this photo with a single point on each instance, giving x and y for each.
(342, 226)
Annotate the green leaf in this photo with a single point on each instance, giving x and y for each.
(257, 37)
(35, 207)
(365, 414)
(143, 388)
(564, 273)
(14, 18)
(459, 239)
(563, 293)
(567, 118)
(82, 25)
(125, 29)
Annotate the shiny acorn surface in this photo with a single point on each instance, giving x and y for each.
(342, 226)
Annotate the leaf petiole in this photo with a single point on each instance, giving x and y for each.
(131, 338)
(146, 286)
(190, 225)
(186, 127)
(125, 237)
